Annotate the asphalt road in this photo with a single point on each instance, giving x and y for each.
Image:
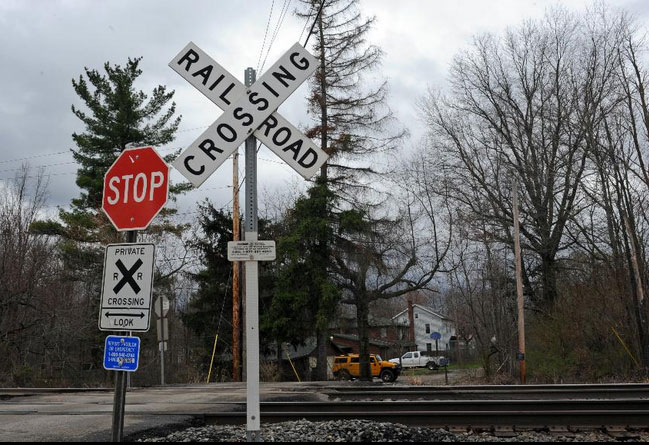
(87, 416)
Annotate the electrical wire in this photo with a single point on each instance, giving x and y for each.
(265, 34)
(280, 21)
(8, 161)
(306, 23)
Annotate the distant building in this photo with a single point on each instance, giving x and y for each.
(417, 323)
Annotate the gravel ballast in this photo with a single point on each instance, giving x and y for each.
(364, 431)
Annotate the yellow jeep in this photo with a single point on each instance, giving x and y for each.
(347, 367)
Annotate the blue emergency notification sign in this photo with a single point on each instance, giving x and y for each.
(121, 353)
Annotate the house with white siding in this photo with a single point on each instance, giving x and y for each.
(416, 325)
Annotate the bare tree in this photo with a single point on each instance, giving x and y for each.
(28, 274)
(525, 105)
(382, 258)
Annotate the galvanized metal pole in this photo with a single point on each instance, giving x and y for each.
(119, 401)
(162, 343)
(519, 287)
(253, 428)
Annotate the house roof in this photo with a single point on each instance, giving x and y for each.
(352, 322)
(423, 308)
(373, 341)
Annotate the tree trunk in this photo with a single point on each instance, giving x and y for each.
(323, 99)
(323, 334)
(362, 317)
(638, 295)
(548, 281)
(321, 367)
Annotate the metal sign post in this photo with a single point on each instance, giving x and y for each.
(249, 111)
(253, 429)
(119, 401)
(161, 309)
(136, 188)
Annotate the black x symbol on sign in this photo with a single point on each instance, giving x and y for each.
(128, 276)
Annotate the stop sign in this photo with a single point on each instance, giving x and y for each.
(136, 187)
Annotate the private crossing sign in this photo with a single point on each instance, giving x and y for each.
(247, 111)
(126, 288)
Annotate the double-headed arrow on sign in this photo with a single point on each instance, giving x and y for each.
(247, 111)
(111, 314)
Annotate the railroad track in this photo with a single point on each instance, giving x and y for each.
(622, 407)
(493, 392)
(621, 414)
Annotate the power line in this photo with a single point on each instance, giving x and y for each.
(306, 22)
(265, 34)
(34, 157)
(62, 163)
(280, 21)
(38, 166)
(27, 158)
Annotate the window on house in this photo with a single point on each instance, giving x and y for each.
(427, 328)
(416, 315)
(429, 348)
(384, 332)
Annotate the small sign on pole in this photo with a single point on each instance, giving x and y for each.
(251, 251)
(161, 306)
(121, 353)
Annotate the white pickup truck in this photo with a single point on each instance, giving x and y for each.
(419, 359)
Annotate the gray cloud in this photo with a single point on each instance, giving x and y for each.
(44, 44)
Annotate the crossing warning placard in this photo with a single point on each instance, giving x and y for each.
(251, 250)
(127, 287)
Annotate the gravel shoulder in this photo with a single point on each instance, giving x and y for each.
(362, 431)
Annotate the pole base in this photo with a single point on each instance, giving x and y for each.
(253, 436)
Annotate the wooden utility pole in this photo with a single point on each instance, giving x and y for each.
(236, 359)
(519, 287)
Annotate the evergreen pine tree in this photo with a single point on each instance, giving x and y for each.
(116, 115)
(350, 120)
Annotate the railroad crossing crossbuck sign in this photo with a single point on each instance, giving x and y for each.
(247, 111)
(126, 288)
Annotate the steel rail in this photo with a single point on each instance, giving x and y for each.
(469, 414)
(570, 386)
(485, 392)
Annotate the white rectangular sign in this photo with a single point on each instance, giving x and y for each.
(251, 251)
(276, 133)
(126, 288)
(245, 115)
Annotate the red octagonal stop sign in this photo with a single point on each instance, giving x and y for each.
(136, 187)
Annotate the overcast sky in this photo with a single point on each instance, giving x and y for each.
(46, 43)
